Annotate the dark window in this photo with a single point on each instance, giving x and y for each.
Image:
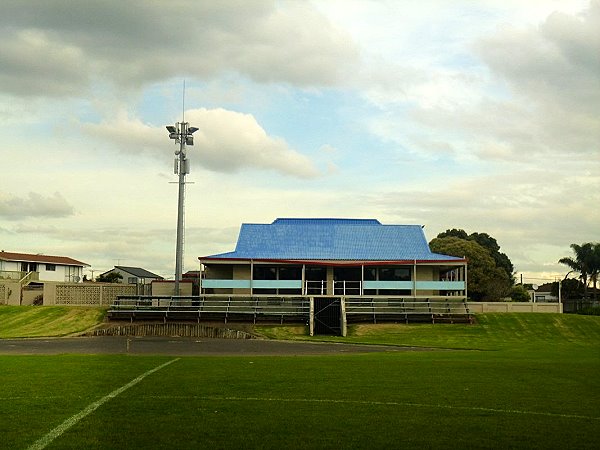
(265, 273)
(394, 274)
(51, 267)
(290, 273)
(370, 273)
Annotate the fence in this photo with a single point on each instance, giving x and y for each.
(171, 329)
(84, 294)
(208, 307)
(515, 307)
(287, 308)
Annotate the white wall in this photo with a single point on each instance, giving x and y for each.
(61, 273)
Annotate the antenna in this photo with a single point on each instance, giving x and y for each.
(182, 134)
(183, 103)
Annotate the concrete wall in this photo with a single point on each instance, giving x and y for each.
(490, 307)
(85, 294)
(168, 288)
(241, 272)
(219, 272)
(10, 292)
(426, 273)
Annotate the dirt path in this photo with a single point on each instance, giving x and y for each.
(183, 347)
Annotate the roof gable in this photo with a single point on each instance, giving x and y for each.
(26, 257)
(138, 272)
(332, 239)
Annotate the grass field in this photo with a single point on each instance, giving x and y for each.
(42, 321)
(533, 384)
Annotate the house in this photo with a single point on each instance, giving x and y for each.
(346, 257)
(40, 267)
(133, 275)
(543, 294)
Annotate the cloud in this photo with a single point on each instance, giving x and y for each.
(227, 141)
(33, 64)
(524, 210)
(53, 47)
(518, 93)
(34, 205)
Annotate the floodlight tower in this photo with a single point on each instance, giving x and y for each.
(181, 132)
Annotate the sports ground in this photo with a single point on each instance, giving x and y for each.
(509, 381)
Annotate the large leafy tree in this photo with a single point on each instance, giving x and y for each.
(586, 262)
(486, 281)
(489, 243)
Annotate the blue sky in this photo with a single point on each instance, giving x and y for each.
(476, 115)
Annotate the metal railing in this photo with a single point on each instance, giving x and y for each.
(286, 308)
(399, 308)
(205, 307)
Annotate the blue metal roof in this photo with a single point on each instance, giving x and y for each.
(332, 239)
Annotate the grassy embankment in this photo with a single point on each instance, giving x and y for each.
(534, 385)
(47, 321)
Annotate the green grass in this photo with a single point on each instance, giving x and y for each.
(532, 384)
(490, 332)
(411, 400)
(44, 321)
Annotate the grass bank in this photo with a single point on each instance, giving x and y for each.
(490, 332)
(47, 321)
(533, 386)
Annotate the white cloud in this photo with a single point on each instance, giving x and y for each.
(54, 47)
(227, 141)
(34, 205)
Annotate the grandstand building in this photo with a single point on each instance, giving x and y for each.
(334, 257)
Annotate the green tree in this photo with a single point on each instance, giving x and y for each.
(454, 232)
(584, 263)
(485, 280)
(595, 267)
(519, 293)
(111, 277)
(490, 244)
(570, 289)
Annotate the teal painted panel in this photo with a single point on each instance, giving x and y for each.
(277, 284)
(226, 284)
(387, 285)
(440, 285)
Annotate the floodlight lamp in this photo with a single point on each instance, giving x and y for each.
(192, 130)
(173, 135)
(189, 140)
(171, 129)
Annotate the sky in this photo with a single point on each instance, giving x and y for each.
(481, 115)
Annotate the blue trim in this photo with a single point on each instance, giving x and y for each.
(440, 285)
(277, 284)
(225, 284)
(388, 285)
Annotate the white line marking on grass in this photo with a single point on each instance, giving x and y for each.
(56, 432)
(363, 402)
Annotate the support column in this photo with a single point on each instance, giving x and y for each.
(311, 316)
(344, 323)
(330, 290)
(251, 276)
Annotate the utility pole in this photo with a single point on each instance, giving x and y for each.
(182, 134)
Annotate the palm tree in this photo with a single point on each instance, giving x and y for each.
(595, 267)
(583, 263)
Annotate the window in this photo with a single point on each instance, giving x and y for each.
(394, 274)
(265, 273)
(132, 280)
(50, 267)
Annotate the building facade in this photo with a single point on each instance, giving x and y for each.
(40, 267)
(334, 257)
